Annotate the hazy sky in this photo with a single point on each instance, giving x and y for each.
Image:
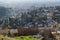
(14, 2)
(10, 1)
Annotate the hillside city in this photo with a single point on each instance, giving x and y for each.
(36, 21)
(36, 17)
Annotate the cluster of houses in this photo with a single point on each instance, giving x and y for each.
(40, 18)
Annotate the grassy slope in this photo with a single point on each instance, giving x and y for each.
(19, 38)
(25, 38)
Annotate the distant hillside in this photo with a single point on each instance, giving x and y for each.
(3, 11)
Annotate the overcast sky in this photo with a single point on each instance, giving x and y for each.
(11, 1)
(15, 2)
